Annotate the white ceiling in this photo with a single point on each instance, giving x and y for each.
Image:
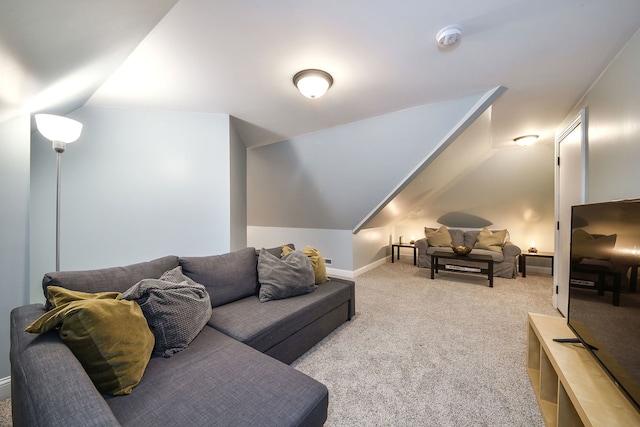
(238, 57)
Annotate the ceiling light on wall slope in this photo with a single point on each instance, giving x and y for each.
(525, 140)
(313, 83)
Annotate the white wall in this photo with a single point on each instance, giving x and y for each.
(14, 231)
(137, 185)
(613, 133)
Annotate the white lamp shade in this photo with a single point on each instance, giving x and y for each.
(313, 83)
(58, 128)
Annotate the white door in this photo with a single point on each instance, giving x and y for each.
(570, 190)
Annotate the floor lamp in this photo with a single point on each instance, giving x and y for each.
(60, 131)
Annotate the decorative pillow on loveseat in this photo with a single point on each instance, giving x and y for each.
(283, 278)
(176, 309)
(491, 240)
(441, 238)
(108, 336)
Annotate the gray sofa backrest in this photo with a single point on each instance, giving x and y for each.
(227, 277)
(117, 279)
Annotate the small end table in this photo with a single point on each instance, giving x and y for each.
(397, 246)
(523, 260)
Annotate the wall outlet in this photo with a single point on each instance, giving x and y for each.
(327, 261)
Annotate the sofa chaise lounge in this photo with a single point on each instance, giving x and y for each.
(234, 373)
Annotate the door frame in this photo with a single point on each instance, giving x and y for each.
(579, 120)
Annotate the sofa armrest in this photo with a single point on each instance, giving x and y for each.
(510, 250)
(49, 386)
(422, 244)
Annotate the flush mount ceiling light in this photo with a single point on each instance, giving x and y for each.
(449, 35)
(313, 83)
(525, 140)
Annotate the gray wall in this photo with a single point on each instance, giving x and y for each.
(136, 185)
(14, 228)
(334, 178)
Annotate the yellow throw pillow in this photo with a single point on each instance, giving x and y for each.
(110, 337)
(493, 241)
(440, 238)
(317, 262)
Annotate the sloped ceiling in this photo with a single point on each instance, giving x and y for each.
(54, 54)
(238, 58)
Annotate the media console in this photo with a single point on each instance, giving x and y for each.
(571, 387)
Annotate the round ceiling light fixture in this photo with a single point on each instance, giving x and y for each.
(449, 35)
(525, 140)
(313, 83)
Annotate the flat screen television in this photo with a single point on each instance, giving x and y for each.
(604, 298)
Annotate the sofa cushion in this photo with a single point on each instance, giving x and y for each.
(117, 279)
(176, 309)
(441, 238)
(227, 277)
(284, 277)
(219, 381)
(109, 337)
(263, 325)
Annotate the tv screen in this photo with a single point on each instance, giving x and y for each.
(604, 302)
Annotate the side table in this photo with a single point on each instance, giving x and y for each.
(397, 246)
(525, 255)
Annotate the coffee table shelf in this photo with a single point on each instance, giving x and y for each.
(475, 258)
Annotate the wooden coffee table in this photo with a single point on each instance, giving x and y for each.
(476, 258)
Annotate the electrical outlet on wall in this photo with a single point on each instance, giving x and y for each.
(327, 261)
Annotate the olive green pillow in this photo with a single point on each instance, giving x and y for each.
(317, 262)
(440, 238)
(491, 240)
(110, 337)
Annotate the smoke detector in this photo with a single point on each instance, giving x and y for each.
(449, 35)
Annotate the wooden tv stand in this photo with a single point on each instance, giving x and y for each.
(571, 387)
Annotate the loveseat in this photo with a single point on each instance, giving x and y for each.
(504, 253)
(234, 373)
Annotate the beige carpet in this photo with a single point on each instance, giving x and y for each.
(5, 413)
(422, 352)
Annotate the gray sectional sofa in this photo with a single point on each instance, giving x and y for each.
(234, 373)
(504, 260)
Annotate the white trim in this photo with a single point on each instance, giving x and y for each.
(353, 274)
(340, 273)
(5, 388)
(369, 267)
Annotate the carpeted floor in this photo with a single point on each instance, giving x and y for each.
(5, 413)
(422, 352)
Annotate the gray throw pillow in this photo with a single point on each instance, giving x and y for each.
(283, 278)
(176, 309)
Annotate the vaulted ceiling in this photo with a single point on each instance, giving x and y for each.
(239, 57)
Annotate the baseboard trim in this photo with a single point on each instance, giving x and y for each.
(5, 388)
(368, 267)
(353, 274)
(346, 274)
